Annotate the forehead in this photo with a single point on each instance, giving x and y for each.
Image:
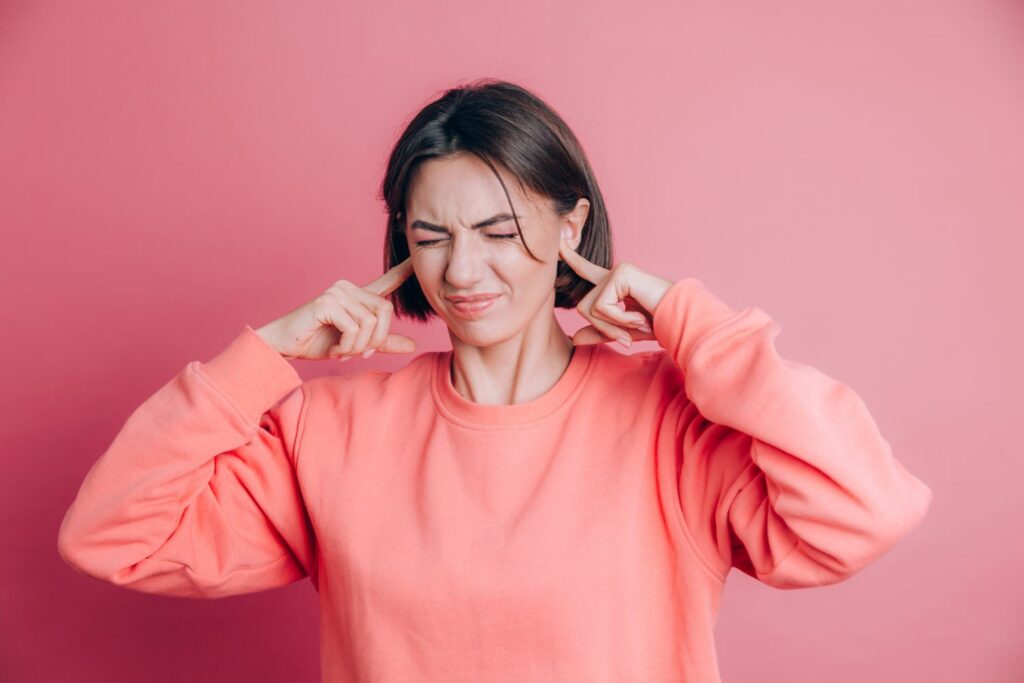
(463, 189)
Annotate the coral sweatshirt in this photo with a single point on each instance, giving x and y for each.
(584, 535)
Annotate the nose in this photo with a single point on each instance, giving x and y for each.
(465, 261)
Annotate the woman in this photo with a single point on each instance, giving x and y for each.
(525, 506)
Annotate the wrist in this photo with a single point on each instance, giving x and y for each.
(266, 334)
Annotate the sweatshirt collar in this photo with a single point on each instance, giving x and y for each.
(468, 413)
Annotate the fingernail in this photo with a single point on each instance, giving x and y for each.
(644, 328)
(346, 358)
(368, 352)
(625, 341)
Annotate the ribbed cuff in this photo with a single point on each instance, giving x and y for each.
(252, 373)
(687, 312)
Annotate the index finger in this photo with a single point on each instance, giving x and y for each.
(587, 270)
(392, 279)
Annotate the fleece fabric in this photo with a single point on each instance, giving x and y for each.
(584, 535)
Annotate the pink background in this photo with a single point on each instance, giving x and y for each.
(172, 171)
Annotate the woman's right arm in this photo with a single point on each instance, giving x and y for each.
(197, 494)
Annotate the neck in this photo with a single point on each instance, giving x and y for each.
(516, 370)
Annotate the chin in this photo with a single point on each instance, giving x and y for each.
(479, 333)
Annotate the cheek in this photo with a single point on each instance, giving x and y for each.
(531, 281)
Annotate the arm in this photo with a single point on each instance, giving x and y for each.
(783, 474)
(197, 494)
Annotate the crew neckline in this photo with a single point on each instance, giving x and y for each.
(488, 416)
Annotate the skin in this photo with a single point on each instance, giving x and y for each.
(517, 350)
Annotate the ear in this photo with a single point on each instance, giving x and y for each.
(572, 224)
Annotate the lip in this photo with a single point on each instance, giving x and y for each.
(474, 306)
(472, 297)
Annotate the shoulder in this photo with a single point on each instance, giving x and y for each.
(640, 372)
(374, 384)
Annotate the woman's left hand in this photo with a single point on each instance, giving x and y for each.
(638, 291)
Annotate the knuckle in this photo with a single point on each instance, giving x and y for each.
(326, 302)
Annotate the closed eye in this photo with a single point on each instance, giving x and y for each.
(502, 236)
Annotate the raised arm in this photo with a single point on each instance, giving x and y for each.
(783, 473)
(197, 494)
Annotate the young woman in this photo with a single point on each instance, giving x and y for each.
(525, 506)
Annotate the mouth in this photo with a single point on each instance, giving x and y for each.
(474, 306)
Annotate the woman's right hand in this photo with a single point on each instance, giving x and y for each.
(343, 321)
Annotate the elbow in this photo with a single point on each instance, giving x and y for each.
(904, 514)
(889, 519)
(68, 545)
(74, 548)
(888, 528)
(846, 549)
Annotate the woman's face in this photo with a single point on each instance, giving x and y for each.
(451, 257)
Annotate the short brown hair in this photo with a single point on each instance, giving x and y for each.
(504, 124)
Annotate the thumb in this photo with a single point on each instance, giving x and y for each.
(589, 335)
(398, 343)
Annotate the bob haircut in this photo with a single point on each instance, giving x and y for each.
(506, 125)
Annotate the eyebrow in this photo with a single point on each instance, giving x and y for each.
(500, 218)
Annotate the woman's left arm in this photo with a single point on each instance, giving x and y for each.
(783, 472)
(796, 484)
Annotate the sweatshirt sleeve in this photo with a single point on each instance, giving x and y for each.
(197, 494)
(782, 472)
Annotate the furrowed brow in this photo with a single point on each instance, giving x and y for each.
(493, 220)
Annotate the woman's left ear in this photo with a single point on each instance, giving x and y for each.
(575, 221)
